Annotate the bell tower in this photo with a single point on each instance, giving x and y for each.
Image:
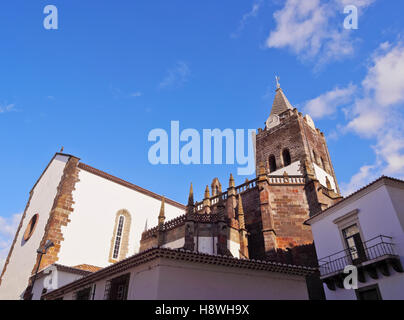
(291, 143)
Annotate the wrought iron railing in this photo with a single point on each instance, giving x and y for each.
(373, 249)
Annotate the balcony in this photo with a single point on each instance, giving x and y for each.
(376, 256)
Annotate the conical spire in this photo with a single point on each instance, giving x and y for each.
(281, 103)
(191, 196)
(240, 212)
(231, 181)
(145, 226)
(207, 193)
(162, 217)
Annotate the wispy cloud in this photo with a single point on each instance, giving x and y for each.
(8, 228)
(376, 112)
(136, 94)
(176, 76)
(313, 29)
(247, 16)
(7, 108)
(327, 103)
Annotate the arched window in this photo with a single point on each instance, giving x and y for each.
(120, 238)
(286, 158)
(272, 163)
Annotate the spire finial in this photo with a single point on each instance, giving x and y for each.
(191, 196)
(61, 149)
(207, 194)
(278, 85)
(231, 181)
(162, 217)
(240, 212)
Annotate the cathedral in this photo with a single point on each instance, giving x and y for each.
(262, 219)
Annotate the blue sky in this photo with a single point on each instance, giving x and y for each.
(115, 70)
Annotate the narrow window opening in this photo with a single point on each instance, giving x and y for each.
(286, 158)
(272, 163)
(118, 237)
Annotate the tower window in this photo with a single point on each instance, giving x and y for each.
(272, 163)
(315, 157)
(286, 158)
(322, 163)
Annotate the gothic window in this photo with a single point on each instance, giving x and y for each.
(272, 163)
(120, 238)
(286, 158)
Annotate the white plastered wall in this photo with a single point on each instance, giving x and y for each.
(183, 280)
(87, 238)
(377, 216)
(292, 170)
(23, 258)
(321, 176)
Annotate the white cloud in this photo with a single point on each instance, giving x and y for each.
(359, 180)
(327, 103)
(312, 29)
(377, 113)
(176, 76)
(6, 108)
(136, 94)
(8, 228)
(249, 15)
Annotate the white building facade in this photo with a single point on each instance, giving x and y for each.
(168, 274)
(365, 230)
(92, 218)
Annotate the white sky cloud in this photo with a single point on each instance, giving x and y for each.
(327, 103)
(247, 16)
(376, 113)
(6, 108)
(8, 228)
(176, 76)
(136, 94)
(312, 29)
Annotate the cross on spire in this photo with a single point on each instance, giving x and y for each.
(278, 85)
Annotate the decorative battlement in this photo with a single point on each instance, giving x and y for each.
(275, 180)
(246, 186)
(169, 225)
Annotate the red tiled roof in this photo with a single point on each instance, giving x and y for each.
(182, 255)
(87, 267)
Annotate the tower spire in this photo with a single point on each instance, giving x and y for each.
(281, 103)
(240, 212)
(191, 196)
(162, 217)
